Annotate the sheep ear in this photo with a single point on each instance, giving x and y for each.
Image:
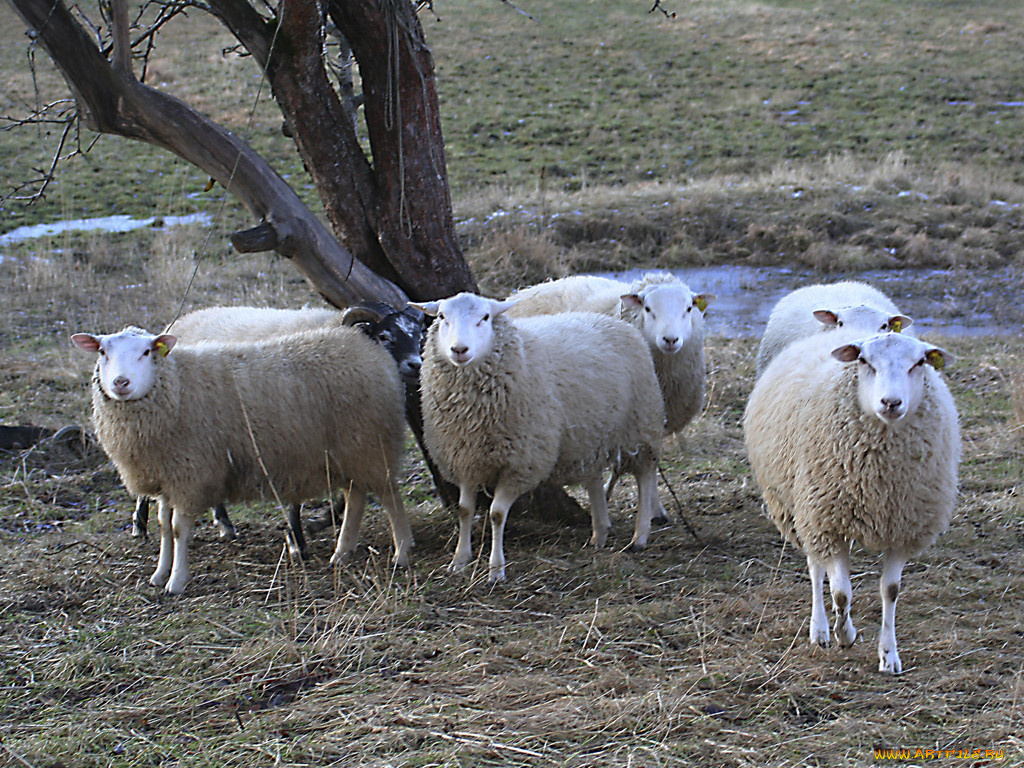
(631, 298)
(163, 344)
(846, 353)
(898, 322)
(938, 358)
(86, 341)
(701, 300)
(497, 307)
(427, 307)
(827, 317)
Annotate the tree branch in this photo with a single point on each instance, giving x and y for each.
(115, 103)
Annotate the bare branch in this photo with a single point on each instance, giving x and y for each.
(658, 7)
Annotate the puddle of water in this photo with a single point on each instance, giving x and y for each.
(102, 224)
(948, 302)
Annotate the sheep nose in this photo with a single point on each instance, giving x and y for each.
(891, 403)
(460, 349)
(122, 381)
(670, 341)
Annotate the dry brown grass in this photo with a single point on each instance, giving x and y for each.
(692, 653)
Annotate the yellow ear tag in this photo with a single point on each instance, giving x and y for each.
(701, 303)
(935, 359)
(162, 349)
(896, 326)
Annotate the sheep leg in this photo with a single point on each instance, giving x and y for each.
(503, 500)
(647, 503)
(295, 536)
(182, 524)
(401, 531)
(140, 518)
(842, 595)
(355, 503)
(166, 557)
(223, 523)
(600, 522)
(612, 480)
(889, 587)
(819, 617)
(660, 515)
(464, 549)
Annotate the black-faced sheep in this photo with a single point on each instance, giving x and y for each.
(291, 417)
(509, 404)
(855, 440)
(816, 308)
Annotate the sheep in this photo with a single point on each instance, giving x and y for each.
(509, 404)
(826, 307)
(668, 314)
(291, 416)
(866, 452)
(399, 331)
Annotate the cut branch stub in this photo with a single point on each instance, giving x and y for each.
(260, 238)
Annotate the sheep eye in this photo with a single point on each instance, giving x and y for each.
(440, 315)
(386, 336)
(146, 353)
(486, 318)
(647, 309)
(839, 323)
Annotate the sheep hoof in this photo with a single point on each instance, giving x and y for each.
(847, 635)
(636, 547)
(228, 533)
(820, 638)
(176, 585)
(455, 566)
(661, 520)
(496, 577)
(597, 542)
(158, 579)
(889, 662)
(339, 557)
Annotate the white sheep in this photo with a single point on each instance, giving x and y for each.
(668, 314)
(509, 404)
(855, 440)
(289, 417)
(396, 329)
(825, 307)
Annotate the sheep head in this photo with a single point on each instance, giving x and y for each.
(465, 325)
(127, 361)
(891, 372)
(862, 317)
(667, 312)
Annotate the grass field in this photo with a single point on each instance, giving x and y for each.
(828, 135)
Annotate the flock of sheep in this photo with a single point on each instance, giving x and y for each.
(851, 432)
